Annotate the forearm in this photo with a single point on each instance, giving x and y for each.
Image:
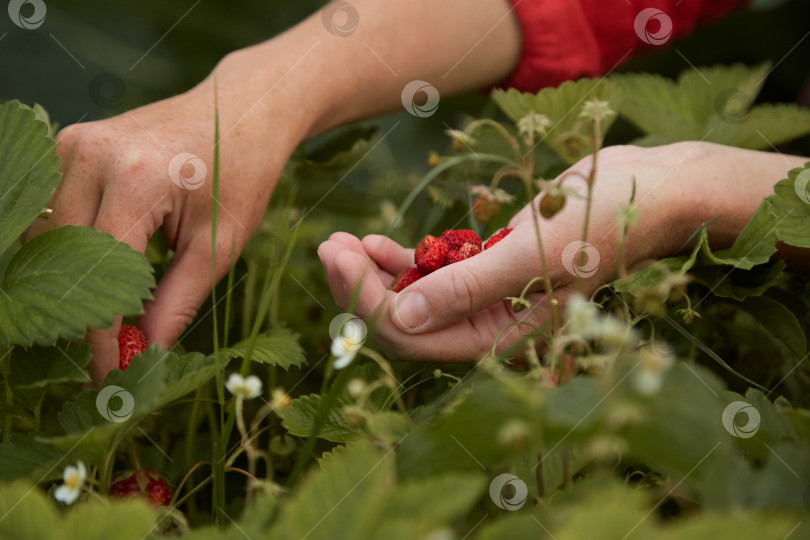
(731, 183)
(329, 80)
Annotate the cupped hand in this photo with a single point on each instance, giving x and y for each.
(457, 312)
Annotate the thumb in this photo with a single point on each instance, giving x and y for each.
(462, 289)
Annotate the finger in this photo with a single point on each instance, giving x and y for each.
(116, 216)
(466, 340)
(388, 255)
(352, 243)
(327, 252)
(184, 287)
(460, 290)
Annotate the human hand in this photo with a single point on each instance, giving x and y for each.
(457, 312)
(122, 176)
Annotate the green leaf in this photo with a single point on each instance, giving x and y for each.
(32, 370)
(23, 455)
(26, 513)
(712, 104)
(791, 207)
(299, 417)
(66, 280)
(418, 507)
(29, 170)
(130, 519)
(465, 436)
(730, 282)
(681, 426)
(562, 106)
(735, 526)
(344, 500)
(278, 347)
(779, 321)
(764, 127)
(39, 367)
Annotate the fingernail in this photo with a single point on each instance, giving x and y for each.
(412, 310)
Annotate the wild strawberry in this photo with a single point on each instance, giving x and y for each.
(453, 257)
(159, 492)
(125, 488)
(467, 250)
(497, 237)
(485, 208)
(430, 254)
(455, 238)
(131, 341)
(405, 278)
(142, 482)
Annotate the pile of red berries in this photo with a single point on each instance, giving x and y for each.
(452, 246)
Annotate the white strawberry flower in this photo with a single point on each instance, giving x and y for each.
(74, 478)
(347, 342)
(246, 387)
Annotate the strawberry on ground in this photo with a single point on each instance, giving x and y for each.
(455, 238)
(159, 492)
(125, 488)
(497, 237)
(430, 254)
(142, 482)
(131, 341)
(405, 278)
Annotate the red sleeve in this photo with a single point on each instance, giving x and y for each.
(568, 39)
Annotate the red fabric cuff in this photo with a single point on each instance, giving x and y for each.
(569, 39)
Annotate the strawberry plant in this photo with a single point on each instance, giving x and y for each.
(669, 401)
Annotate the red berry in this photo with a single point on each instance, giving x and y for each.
(159, 492)
(142, 482)
(131, 341)
(467, 250)
(455, 238)
(430, 254)
(497, 237)
(485, 208)
(405, 278)
(453, 256)
(125, 488)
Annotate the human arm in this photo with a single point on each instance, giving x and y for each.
(678, 187)
(271, 97)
